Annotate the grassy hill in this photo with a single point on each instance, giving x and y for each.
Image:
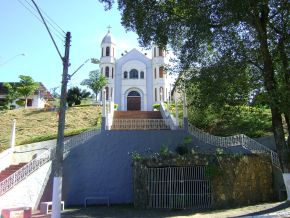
(34, 125)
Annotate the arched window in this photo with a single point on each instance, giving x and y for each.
(161, 93)
(125, 75)
(112, 72)
(102, 70)
(102, 52)
(161, 52)
(133, 74)
(154, 51)
(108, 51)
(155, 94)
(107, 92)
(107, 72)
(134, 94)
(161, 72)
(155, 74)
(142, 75)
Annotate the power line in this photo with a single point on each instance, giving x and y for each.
(57, 34)
(68, 34)
(61, 31)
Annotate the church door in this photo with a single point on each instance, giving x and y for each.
(133, 101)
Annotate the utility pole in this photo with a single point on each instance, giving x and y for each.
(58, 164)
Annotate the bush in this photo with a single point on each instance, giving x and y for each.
(116, 107)
(20, 103)
(182, 149)
(156, 107)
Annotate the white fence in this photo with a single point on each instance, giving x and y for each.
(46, 156)
(139, 124)
(242, 140)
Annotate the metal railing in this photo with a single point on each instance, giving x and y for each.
(25, 171)
(242, 140)
(169, 119)
(45, 157)
(78, 140)
(139, 124)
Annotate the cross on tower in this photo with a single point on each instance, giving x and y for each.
(109, 28)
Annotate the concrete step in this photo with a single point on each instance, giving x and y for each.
(10, 170)
(137, 115)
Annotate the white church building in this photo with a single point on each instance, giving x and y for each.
(134, 81)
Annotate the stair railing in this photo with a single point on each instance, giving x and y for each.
(144, 124)
(43, 158)
(230, 141)
(169, 119)
(25, 171)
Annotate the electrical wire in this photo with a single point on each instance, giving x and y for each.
(52, 39)
(50, 20)
(57, 34)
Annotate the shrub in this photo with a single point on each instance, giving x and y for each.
(156, 107)
(182, 149)
(20, 103)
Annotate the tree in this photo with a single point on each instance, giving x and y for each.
(26, 87)
(75, 96)
(252, 32)
(95, 82)
(12, 93)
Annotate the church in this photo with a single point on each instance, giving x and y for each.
(134, 81)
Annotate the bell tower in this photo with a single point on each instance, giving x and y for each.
(107, 63)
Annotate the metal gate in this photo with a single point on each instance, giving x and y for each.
(178, 187)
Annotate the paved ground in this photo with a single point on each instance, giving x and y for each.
(280, 209)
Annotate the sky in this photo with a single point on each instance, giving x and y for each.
(23, 33)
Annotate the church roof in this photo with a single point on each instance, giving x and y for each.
(108, 38)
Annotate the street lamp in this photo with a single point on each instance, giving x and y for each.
(12, 58)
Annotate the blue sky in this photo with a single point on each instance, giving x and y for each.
(21, 33)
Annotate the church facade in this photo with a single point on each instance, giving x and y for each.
(134, 81)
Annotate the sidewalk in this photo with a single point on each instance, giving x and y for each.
(279, 209)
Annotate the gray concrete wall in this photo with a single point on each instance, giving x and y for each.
(102, 166)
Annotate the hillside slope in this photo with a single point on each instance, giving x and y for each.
(37, 125)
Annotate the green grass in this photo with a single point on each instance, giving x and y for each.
(251, 121)
(34, 125)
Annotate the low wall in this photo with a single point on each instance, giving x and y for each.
(236, 180)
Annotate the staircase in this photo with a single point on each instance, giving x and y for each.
(10, 170)
(138, 120)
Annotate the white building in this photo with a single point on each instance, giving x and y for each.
(135, 82)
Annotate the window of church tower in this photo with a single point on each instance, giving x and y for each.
(102, 70)
(142, 75)
(107, 93)
(112, 72)
(107, 72)
(155, 73)
(107, 51)
(133, 74)
(161, 94)
(161, 52)
(161, 72)
(125, 75)
(154, 51)
(155, 94)
(102, 52)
